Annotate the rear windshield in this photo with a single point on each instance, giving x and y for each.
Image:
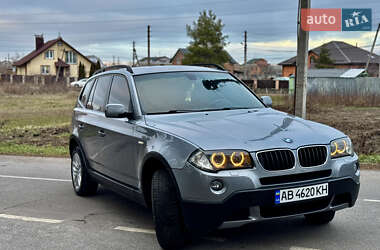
(192, 92)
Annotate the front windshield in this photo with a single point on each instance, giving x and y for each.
(191, 92)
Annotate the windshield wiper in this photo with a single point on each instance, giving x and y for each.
(225, 108)
(174, 111)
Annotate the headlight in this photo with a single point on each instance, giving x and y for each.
(341, 147)
(221, 160)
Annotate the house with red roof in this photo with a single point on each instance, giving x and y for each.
(55, 58)
(343, 55)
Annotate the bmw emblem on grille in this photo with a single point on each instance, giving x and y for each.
(287, 140)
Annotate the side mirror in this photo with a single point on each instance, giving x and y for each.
(267, 100)
(117, 111)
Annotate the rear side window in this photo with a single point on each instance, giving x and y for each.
(91, 96)
(101, 92)
(119, 93)
(86, 92)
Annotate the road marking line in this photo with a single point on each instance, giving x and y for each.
(23, 218)
(136, 230)
(150, 231)
(372, 200)
(33, 178)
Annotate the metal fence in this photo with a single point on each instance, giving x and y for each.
(362, 86)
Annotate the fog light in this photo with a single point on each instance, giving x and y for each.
(216, 185)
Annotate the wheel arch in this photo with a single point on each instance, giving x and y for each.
(151, 163)
(74, 142)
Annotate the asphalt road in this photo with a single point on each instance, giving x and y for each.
(39, 210)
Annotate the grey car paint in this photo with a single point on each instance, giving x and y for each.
(251, 130)
(174, 137)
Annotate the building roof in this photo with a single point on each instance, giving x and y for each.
(184, 51)
(156, 58)
(341, 53)
(351, 73)
(37, 52)
(95, 59)
(254, 60)
(281, 78)
(327, 73)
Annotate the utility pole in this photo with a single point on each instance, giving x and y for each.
(373, 46)
(59, 67)
(133, 53)
(245, 55)
(134, 57)
(148, 44)
(118, 60)
(300, 90)
(245, 47)
(113, 60)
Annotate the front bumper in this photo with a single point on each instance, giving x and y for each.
(252, 205)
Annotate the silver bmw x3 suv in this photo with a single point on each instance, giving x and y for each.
(200, 149)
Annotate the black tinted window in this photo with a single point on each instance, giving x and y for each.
(119, 92)
(86, 92)
(101, 93)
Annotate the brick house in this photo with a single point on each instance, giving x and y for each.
(258, 61)
(344, 56)
(55, 57)
(181, 52)
(155, 60)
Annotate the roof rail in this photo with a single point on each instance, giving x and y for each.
(217, 66)
(114, 67)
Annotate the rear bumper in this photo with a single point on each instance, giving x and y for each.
(252, 205)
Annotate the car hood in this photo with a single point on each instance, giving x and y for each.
(251, 130)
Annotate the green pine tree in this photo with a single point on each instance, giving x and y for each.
(208, 41)
(81, 71)
(98, 66)
(324, 60)
(92, 69)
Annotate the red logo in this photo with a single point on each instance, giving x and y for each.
(321, 19)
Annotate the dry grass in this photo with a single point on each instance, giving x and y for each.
(370, 100)
(35, 120)
(317, 102)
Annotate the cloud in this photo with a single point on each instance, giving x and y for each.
(107, 28)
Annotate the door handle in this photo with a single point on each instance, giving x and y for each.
(101, 133)
(81, 125)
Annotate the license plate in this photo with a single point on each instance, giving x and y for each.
(301, 193)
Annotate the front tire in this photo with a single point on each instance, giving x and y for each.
(82, 183)
(169, 225)
(320, 218)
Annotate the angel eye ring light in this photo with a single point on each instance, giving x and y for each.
(218, 164)
(237, 164)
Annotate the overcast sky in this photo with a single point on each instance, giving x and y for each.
(107, 28)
